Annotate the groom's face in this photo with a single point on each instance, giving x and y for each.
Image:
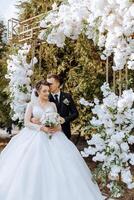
(54, 85)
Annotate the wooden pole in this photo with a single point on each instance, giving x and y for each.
(40, 58)
(31, 19)
(120, 82)
(107, 70)
(126, 76)
(33, 51)
(114, 81)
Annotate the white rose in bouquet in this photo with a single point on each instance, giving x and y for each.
(51, 119)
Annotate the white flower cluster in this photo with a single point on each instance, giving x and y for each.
(109, 23)
(19, 72)
(50, 119)
(84, 102)
(114, 123)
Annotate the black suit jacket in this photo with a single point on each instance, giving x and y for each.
(66, 109)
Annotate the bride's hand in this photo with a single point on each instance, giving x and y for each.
(55, 129)
(35, 120)
(45, 129)
(48, 129)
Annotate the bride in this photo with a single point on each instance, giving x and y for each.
(35, 167)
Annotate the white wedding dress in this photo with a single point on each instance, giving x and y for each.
(34, 167)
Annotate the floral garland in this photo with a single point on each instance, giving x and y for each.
(113, 121)
(19, 72)
(109, 23)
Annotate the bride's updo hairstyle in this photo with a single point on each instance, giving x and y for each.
(39, 85)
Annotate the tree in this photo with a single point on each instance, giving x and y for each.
(4, 101)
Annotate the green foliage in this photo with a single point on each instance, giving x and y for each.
(28, 9)
(116, 187)
(4, 102)
(101, 175)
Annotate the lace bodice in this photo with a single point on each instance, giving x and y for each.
(38, 111)
(34, 109)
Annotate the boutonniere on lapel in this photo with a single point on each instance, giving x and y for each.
(66, 101)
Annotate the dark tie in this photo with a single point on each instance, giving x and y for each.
(56, 99)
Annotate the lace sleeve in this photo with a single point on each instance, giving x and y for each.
(54, 106)
(28, 115)
(33, 96)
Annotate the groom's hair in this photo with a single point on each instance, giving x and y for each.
(56, 77)
(39, 84)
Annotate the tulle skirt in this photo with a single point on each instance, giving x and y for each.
(34, 167)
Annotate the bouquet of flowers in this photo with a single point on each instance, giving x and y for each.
(51, 119)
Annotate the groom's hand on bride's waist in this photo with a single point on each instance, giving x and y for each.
(62, 120)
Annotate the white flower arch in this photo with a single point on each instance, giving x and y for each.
(19, 72)
(110, 24)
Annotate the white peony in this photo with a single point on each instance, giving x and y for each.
(131, 139)
(115, 170)
(99, 157)
(126, 176)
(84, 102)
(124, 146)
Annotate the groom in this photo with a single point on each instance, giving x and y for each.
(64, 103)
